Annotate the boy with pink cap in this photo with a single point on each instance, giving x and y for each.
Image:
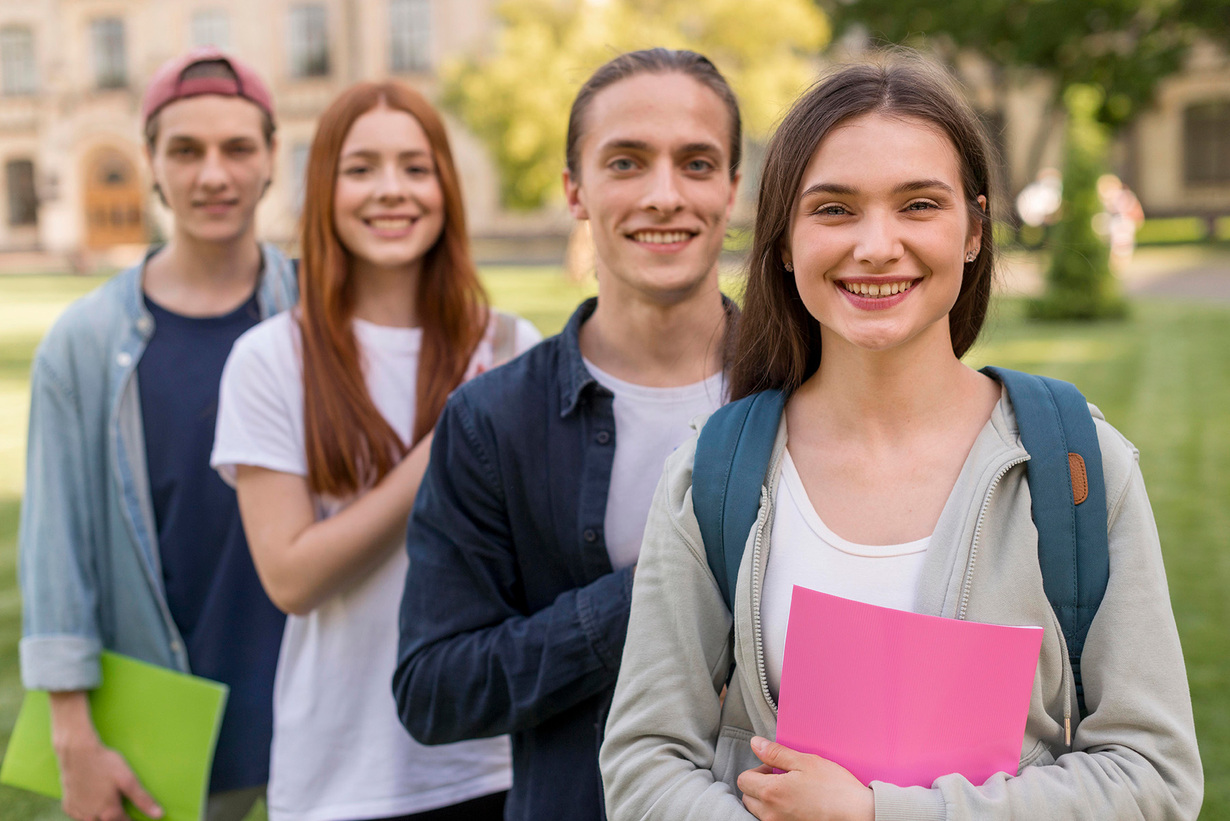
(129, 541)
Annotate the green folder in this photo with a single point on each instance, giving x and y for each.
(165, 723)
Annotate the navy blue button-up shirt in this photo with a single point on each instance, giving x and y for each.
(512, 619)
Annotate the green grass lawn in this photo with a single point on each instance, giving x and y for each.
(1162, 377)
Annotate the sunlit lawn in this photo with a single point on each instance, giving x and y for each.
(1163, 378)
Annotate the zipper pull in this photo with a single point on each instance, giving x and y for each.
(1067, 731)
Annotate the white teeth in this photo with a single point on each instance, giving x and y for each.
(390, 223)
(876, 289)
(661, 237)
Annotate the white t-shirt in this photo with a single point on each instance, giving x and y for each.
(649, 424)
(339, 750)
(805, 552)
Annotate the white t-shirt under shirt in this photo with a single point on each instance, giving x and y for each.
(649, 424)
(805, 552)
(339, 750)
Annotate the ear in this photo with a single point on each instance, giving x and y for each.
(734, 192)
(974, 243)
(572, 193)
(273, 163)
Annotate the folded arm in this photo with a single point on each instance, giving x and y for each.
(302, 561)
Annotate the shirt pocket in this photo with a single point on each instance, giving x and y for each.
(732, 755)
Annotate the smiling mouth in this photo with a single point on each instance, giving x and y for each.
(878, 289)
(662, 237)
(390, 223)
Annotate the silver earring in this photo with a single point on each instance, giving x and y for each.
(971, 256)
(790, 267)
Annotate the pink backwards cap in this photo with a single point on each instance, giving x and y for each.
(168, 85)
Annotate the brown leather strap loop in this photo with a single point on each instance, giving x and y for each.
(1080, 479)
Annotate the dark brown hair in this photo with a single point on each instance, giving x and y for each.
(209, 68)
(350, 446)
(779, 341)
(652, 61)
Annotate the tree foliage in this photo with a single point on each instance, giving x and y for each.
(1079, 280)
(516, 98)
(1124, 47)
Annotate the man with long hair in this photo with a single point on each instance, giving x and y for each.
(129, 542)
(527, 527)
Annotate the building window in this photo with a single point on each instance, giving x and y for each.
(1206, 143)
(23, 202)
(409, 35)
(309, 41)
(210, 27)
(17, 60)
(110, 64)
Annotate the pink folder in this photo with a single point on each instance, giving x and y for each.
(902, 697)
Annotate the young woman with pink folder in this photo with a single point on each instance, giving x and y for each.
(894, 465)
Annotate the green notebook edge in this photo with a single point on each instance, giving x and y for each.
(164, 722)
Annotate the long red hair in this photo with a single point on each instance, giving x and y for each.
(350, 445)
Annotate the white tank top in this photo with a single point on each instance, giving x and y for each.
(805, 552)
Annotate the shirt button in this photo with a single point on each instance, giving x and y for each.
(175, 647)
(603, 437)
(145, 324)
(590, 535)
(123, 359)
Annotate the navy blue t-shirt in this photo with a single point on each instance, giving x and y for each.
(231, 630)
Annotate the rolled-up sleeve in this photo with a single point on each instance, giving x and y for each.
(60, 643)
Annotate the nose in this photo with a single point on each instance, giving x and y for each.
(390, 184)
(213, 176)
(663, 194)
(878, 244)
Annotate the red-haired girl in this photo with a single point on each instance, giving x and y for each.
(324, 427)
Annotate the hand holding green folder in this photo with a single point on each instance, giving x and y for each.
(165, 723)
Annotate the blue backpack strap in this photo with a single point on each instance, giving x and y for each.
(1069, 500)
(732, 457)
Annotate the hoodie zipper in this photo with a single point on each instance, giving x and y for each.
(761, 523)
(973, 550)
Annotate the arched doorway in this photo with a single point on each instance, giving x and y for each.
(113, 201)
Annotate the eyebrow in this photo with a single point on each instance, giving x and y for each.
(367, 153)
(627, 145)
(904, 188)
(641, 145)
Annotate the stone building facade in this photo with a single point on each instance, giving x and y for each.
(72, 73)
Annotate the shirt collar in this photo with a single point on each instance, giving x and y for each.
(575, 378)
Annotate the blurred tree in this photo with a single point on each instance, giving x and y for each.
(516, 99)
(1079, 280)
(1122, 46)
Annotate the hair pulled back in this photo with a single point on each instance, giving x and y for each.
(652, 61)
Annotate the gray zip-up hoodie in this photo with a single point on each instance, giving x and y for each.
(674, 749)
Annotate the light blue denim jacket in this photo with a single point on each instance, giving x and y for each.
(90, 572)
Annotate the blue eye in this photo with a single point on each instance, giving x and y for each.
(621, 164)
(921, 205)
(700, 166)
(832, 210)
